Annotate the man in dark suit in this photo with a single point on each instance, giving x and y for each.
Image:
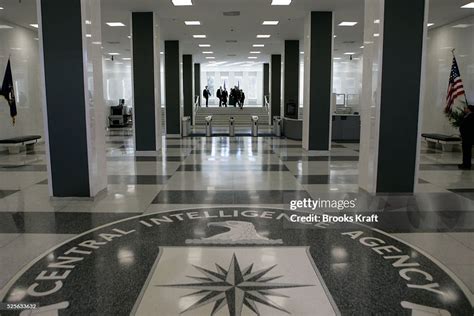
(219, 95)
(206, 94)
(467, 134)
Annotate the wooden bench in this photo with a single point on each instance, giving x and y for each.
(447, 142)
(15, 144)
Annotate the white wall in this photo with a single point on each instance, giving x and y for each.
(117, 81)
(440, 43)
(22, 45)
(347, 79)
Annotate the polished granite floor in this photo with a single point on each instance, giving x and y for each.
(199, 183)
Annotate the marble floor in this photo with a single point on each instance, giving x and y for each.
(204, 227)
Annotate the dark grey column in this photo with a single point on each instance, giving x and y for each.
(172, 88)
(188, 85)
(275, 86)
(400, 100)
(319, 76)
(65, 97)
(291, 76)
(197, 80)
(266, 81)
(143, 80)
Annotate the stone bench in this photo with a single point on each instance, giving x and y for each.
(15, 144)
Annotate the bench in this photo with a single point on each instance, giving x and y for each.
(447, 142)
(14, 144)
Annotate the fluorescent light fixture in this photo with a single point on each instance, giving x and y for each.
(119, 63)
(88, 35)
(270, 22)
(302, 53)
(114, 54)
(97, 43)
(88, 22)
(161, 53)
(204, 45)
(337, 58)
(263, 36)
(199, 36)
(376, 34)
(129, 36)
(470, 5)
(252, 57)
(208, 52)
(255, 52)
(462, 26)
(349, 53)
(1, 8)
(126, 58)
(362, 46)
(182, 2)
(335, 36)
(347, 23)
(281, 2)
(377, 21)
(211, 57)
(258, 45)
(115, 24)
(34, 25)
(192, 22)
(5, 26)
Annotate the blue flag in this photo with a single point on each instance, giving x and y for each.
(8, 91)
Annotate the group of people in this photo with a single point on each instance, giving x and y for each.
(236, 97)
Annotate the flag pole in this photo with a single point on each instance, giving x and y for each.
(454, 56)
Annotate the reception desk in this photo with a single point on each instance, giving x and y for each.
(345, 127)
(293, 128)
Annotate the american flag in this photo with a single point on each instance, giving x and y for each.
(455, 87)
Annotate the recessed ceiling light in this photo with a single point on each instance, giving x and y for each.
(129, 36)
(199, 36)
(114, 54)
(377, 21)
(192, 22)
(429, 24)
(270, 22)
(263, 36)
(208, 52)
(376, 34)
(161, 53)
(255, 52)
(119, 63)
(349, 53)
(258, 45)
(88, 22)
(204, 45)
(88, 35)
(462, 26)
(470, 5)
(252, 57)
(34, 25)
(1, 8)
(347, 23)
(337, 58)
(301, 53)
(97, 43)
(210, 57)
(5, 27)
(335, 36)
(362, 46)
(126, 58)
(182, 2)
(281, 2)
(115, 24)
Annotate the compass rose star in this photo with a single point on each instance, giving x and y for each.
(235, 288)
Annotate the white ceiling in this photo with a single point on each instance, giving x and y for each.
(243, 28)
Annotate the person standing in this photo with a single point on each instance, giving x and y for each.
(467, 135)
(219, 95)
(224, 96)
(206, 94)
(242, 99)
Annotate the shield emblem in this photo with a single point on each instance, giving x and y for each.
(234, 281)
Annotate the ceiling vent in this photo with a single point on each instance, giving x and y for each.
(348, 42)
(232, 55)
(231, 13)
(231, 41)
(113, 42)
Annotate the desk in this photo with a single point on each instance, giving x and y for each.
(293, 128)
(345, 127)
